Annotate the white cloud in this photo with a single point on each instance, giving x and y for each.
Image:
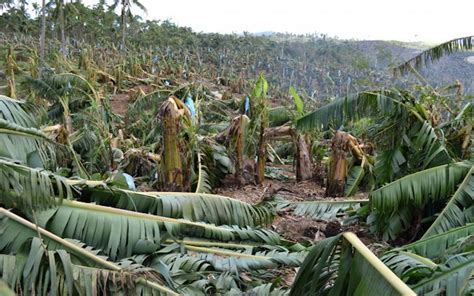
(406, 20)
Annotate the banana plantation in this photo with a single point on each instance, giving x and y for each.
(140, 158)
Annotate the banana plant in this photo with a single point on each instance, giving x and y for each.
(139, 236)
(396, 204)
(435, 53)
(20, 139)
(342, 264)
(438, 263)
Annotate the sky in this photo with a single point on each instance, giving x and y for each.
(430, 21)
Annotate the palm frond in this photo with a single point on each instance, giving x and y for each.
(139, 5)
(454, 213)
(435, 53)
(321, 209)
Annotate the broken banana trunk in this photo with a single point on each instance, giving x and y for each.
(261, 157)
(342, 144)
(172, 170)
(304, 165)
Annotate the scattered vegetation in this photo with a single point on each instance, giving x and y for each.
(112, 154)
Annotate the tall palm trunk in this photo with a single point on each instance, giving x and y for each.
(43, 30)
(123, 24)
(62, 27)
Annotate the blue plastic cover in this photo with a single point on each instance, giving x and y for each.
(190, 104)
(130, 183)
(247, 105)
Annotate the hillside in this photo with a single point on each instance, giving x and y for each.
(142, 158)
(319, 66)
(383, 54)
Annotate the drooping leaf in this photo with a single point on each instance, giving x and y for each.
(342, 264)
(203, 184)
(452, 278)
(436, 245)
(435, 53)
(456, 212)
(18, 134)
(210, 208)
(430, 185)
(355, 176)
(16, 232)
(26, 188)
(121, 233)
(340, 111)
(321, 209)
(432, 151)
(403, 263)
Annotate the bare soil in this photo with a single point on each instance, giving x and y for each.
(288, 225)
(119, 102)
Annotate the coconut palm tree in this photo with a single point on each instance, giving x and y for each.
(125, 13)
(43, 30)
